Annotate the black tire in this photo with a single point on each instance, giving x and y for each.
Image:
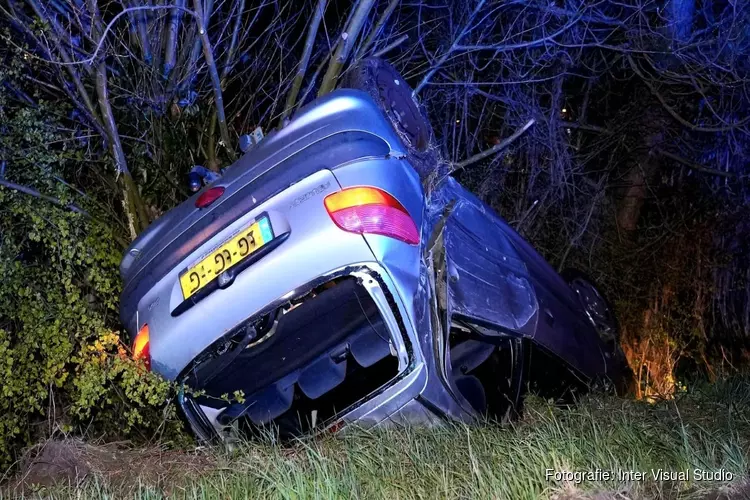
(599, 309)
(621, 376)
(395, 99)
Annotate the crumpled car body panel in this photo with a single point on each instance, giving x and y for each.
(437, 321)
(486, 278)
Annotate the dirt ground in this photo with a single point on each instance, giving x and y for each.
(70, 462)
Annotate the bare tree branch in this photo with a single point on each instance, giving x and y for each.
(377, 29)
(344, 46)
(312, 30)
(208, 54)
(173, 29)
(398, 41)
(516, 46)
(195, 52)
(102, 38)
(135, 208)
(461, 34)
(494, 149)
(311, 83)
(693, 165)
(673, 113)
(67, 60)
(33, 192)
(142, 28)
(233, 41)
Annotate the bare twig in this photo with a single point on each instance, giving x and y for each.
(574, 240)
(67, 60)
(311, 83)
(461, 34)
(693, 165)
(233, 42)
(33, 192)
(108, 28)
(376, 30)
(398, 41)
(584, 126)
(516, 46)
(673, 113)
(494, 149)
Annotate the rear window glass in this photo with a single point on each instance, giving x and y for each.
(342, 148)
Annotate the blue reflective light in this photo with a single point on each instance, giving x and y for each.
(265, 229)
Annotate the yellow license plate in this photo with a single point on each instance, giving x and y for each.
(226, 256)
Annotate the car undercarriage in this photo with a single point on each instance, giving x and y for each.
(297, 366)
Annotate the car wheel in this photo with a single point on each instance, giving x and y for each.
(394, 97)
(601, 313)
(595, 305)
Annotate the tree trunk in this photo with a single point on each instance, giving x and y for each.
(629, 210)
(135, 209)
(133, 203)
(681, 14)
(344, 46)
(638, 178)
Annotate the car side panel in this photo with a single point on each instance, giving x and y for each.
(564, 328)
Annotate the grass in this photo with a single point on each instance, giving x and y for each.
(707, 428)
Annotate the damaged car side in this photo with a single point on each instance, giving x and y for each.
(332, 276)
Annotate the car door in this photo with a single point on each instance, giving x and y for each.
(563, 327)
(483, 278)
(492, 275)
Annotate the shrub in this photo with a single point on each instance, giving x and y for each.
(61, 361)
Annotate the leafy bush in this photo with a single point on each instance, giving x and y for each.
(62, 365)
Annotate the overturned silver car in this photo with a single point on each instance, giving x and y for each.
(333, 275)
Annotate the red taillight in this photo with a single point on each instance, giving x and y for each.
(371, 210)
(140, 347)
(209, 196)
